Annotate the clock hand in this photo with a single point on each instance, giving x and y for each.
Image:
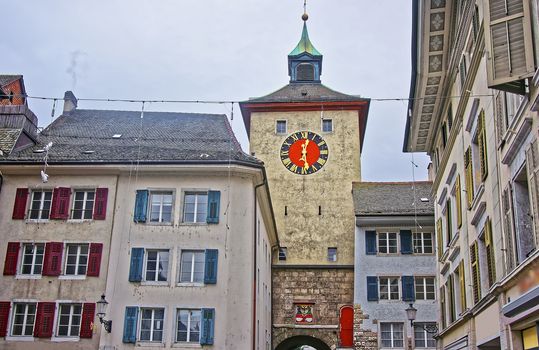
(304, 154)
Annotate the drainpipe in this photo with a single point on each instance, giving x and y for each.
(255, 258)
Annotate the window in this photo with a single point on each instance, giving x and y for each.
(151, 325)
(41, 205)
(424, 339)
(305, 72)
(448, 222)
(195, 207)
(387, 242)
(23, 319)
(83, 205)
(32, 259)
(192, 267)
(327, 125)
(489, 248)
(392, 335)
(469, 179)
(389, 288)
(280, 127)
(161, 207)
(282, 253)
(156, 265)
(476, 276)
(69, 318)
(424, 288)
(76, 259)
(332, 254)
(422, 242)
(188, 326)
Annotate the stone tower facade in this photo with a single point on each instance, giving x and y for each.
(309, 138)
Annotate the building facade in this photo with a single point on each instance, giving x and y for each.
(395, 265)
(474, 111)
(309, 138)
(161, 212)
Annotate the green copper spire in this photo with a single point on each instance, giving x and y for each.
(305, 45)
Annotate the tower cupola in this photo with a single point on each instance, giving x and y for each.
(305, 62)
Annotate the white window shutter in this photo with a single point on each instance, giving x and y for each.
(508, 39)
(532, 164)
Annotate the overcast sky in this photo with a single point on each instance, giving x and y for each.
(216, 50)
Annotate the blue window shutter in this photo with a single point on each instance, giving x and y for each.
(408, 293)
(130, 324)
(135, 270)
(372, 288)
(370, 242)
(210, 270)
(141, 206)
(208, 325)
(406, 242)
(214, 198)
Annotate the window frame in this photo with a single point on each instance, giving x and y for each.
(195, 192)
(277, 126)
(188, 333)
(25, 317)
(392, 332)
(387, 239)
(58, 315)
(389, 284)
(77, 260)
(145, 266)
(422, 240)
(332, 257)
(426, 336)
(193, 261)
(283, 254)
(330, 120)
(33, 264)
(41, 205)
(152, 330)
(151, 193)
(424, 287)
(84, 204)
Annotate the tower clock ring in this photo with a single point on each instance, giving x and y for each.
(304, 152)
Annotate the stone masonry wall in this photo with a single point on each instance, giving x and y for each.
(329, 289)
(363, 339)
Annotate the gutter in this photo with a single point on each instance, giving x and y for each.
(413, 83)
(124, 162)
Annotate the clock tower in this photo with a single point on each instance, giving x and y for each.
(310, 138)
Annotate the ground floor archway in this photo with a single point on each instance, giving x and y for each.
(295, 343)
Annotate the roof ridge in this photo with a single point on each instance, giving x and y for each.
(146, 111)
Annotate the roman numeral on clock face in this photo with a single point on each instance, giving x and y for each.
(304, 152)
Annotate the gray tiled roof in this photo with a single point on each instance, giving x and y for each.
(8, 138)
(158, 137)
(305, 92)
(392, 198)
(6, 78)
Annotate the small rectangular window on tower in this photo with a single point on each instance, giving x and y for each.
(332, 254)
(280, 127)
(327, 125)
(282, 253)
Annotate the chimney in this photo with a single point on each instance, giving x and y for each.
(70, 102)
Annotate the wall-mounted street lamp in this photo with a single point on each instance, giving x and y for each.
(101, 313)
(411, 312)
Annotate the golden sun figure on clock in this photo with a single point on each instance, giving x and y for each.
(304, 152)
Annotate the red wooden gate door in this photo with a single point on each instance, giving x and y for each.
(347, 326)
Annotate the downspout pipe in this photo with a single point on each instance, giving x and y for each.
(255, 242)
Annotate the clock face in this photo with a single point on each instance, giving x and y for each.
(304, 152)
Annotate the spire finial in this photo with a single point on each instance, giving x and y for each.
(305, 16)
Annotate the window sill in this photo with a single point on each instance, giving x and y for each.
(37, 221)
(28, 277)
(160, 223)
(150, 344)
(190, 284)
(187, 345)
(19, 338)
(155, 283)
(65, 339)
(79, 221)
(421, 254)
(72, 277)
(193, 224)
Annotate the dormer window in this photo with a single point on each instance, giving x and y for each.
(305, 72)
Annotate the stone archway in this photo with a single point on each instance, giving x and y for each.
(293, 343)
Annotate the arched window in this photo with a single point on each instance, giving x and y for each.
(305, 72)
(346, 324)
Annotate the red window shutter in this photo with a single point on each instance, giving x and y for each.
(100, 206)
(44, 320)
(52, 264)
(87, 321)
(12, 256)
(94, 259)
(60, 203)
(19, 209)
(4, 314)
(347, 326)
